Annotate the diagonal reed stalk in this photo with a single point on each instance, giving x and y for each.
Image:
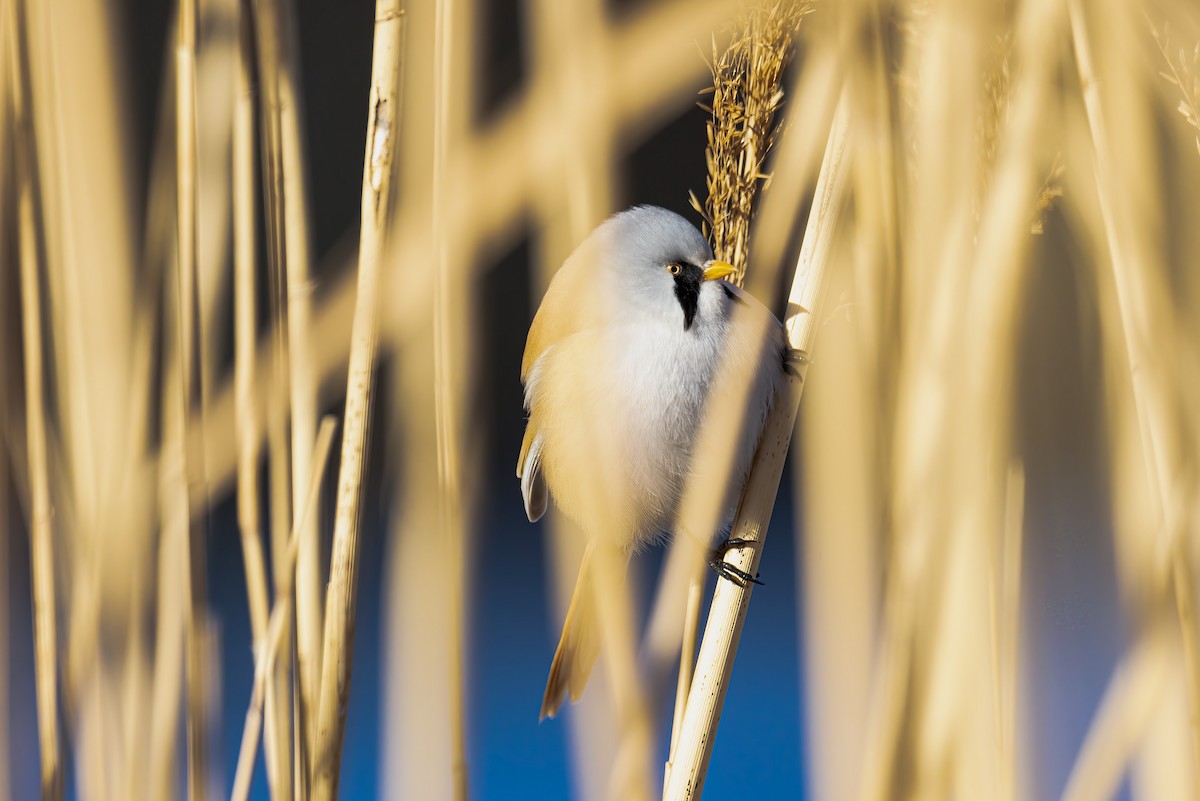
(382, 125)
(730, 602)
(747, 92)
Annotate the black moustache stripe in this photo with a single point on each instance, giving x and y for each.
(687, 291)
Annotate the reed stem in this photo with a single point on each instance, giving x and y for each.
(446, 412)
(245, 237)
(383, 122)
(731, 602)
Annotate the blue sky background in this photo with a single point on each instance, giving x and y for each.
(511, 754)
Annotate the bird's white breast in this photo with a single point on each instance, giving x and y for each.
(619, 409)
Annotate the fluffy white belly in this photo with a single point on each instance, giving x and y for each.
(621, 422)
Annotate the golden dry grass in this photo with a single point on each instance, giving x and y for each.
(961, 131)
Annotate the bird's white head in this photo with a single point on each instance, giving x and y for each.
(654, 262)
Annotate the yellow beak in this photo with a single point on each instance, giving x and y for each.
(718, 269)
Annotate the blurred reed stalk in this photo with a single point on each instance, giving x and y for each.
(382, 125)
(41, 540)
(288, 212)
(1147, 319)
(245, 239)
(283, 765)
(6, 278)
(248, 426)
(446, 415)
(714, 665)
(186, 231)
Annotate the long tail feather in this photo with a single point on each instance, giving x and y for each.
(578, 646)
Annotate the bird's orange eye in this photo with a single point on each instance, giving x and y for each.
(674, 269)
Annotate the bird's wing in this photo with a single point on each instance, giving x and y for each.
(529, 470)
(565, 310)
(556, 319)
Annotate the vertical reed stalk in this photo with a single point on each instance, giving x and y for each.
(687, 660)
(383, 119)
(1008, 632)
(297, 252)
(185, 187)
(41, 540)
(279, 694)
(41, 537)
(170, 603)
(450, 516)
(6, 573)
(6, 187)
(245, 237)
(730, 602)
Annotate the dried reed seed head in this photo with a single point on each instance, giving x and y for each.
(746, 95)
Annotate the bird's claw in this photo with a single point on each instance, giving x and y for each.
(724, 570)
